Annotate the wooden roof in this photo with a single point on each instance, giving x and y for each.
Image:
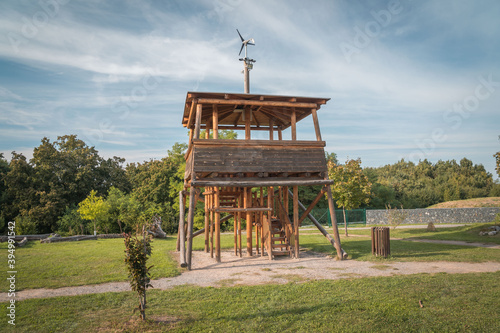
(230, 108)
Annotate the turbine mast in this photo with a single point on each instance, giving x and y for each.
(247, 62)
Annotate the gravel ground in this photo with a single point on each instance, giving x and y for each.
(260, 270)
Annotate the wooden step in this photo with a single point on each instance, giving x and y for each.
(281, 253)
(279, 245)
(281, 238)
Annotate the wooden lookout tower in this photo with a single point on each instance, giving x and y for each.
(255, 181)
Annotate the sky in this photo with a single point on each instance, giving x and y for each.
(407, 79)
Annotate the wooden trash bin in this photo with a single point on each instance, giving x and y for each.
(381, 241)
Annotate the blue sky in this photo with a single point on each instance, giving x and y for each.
(407, 79)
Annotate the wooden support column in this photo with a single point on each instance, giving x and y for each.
(316, 124)
(294, 125)
(271, 129)
(197, 124)
(331, 207)
(212, 219)
(235, 228)
(280, 135)
(296, 219)
(217, 225)
(248, 122)
(240, 203)
(215, 121)
(207, 219)
(192, 205)
(247, 202)
(261, 218)
(182, 236)
(270, 193)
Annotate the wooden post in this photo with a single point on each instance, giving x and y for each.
(235, 233)
(271, 129)
(215, 121)
(270, 192)
(248, 114)
(217, 225)
(333, 218)
(182, 236)
(246, 204)
(212, 219)
(280, 135)
(192, 206)
(240, 202)
(316, 124)
(197, 124)
(294, 125)
(296, 219)
(317, 224)
(207, 218)
(261, 218)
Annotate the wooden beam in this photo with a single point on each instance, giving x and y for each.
(198, 121)
(207, 222)
(296, 219)
(340, 253)
(256, 103)
(270, 195)
(191, 114)
(192, 205)
(248, 122)
(215, 121)
(217, 226)
(271, 129)
(316, 124)
(243, 210)
(294, 125)
(320, 228)
(260, 182)
(312, 205)
(182, 236)
(260, 143)
(247, 204)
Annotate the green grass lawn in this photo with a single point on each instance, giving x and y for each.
(91, 262)
(80, 263)
(452, 303)
(467, 233)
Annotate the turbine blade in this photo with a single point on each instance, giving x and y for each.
(250, 44)
(240, 35)
(242, 45)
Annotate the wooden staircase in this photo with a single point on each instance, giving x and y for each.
(280, 244)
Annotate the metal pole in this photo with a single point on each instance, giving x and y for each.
(247, 76)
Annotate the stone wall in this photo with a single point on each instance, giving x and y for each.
(437, 215)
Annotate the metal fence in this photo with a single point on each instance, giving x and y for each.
(354, 217)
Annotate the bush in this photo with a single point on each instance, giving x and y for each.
(25, 226)
(137, 253)
(71, 223)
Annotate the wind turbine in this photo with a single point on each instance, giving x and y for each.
(244, 43)
(247, 62)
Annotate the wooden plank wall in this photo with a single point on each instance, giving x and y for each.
(258, 159)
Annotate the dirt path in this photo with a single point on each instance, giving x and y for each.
(260, 270)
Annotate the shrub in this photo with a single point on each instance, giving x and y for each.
(137, 253)
(395, 216)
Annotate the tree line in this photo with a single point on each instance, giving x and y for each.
(67, 187)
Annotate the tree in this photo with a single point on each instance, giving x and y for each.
(137, 253)
(4, 199)
(351, 187)
(61, 174)
(93, 208)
